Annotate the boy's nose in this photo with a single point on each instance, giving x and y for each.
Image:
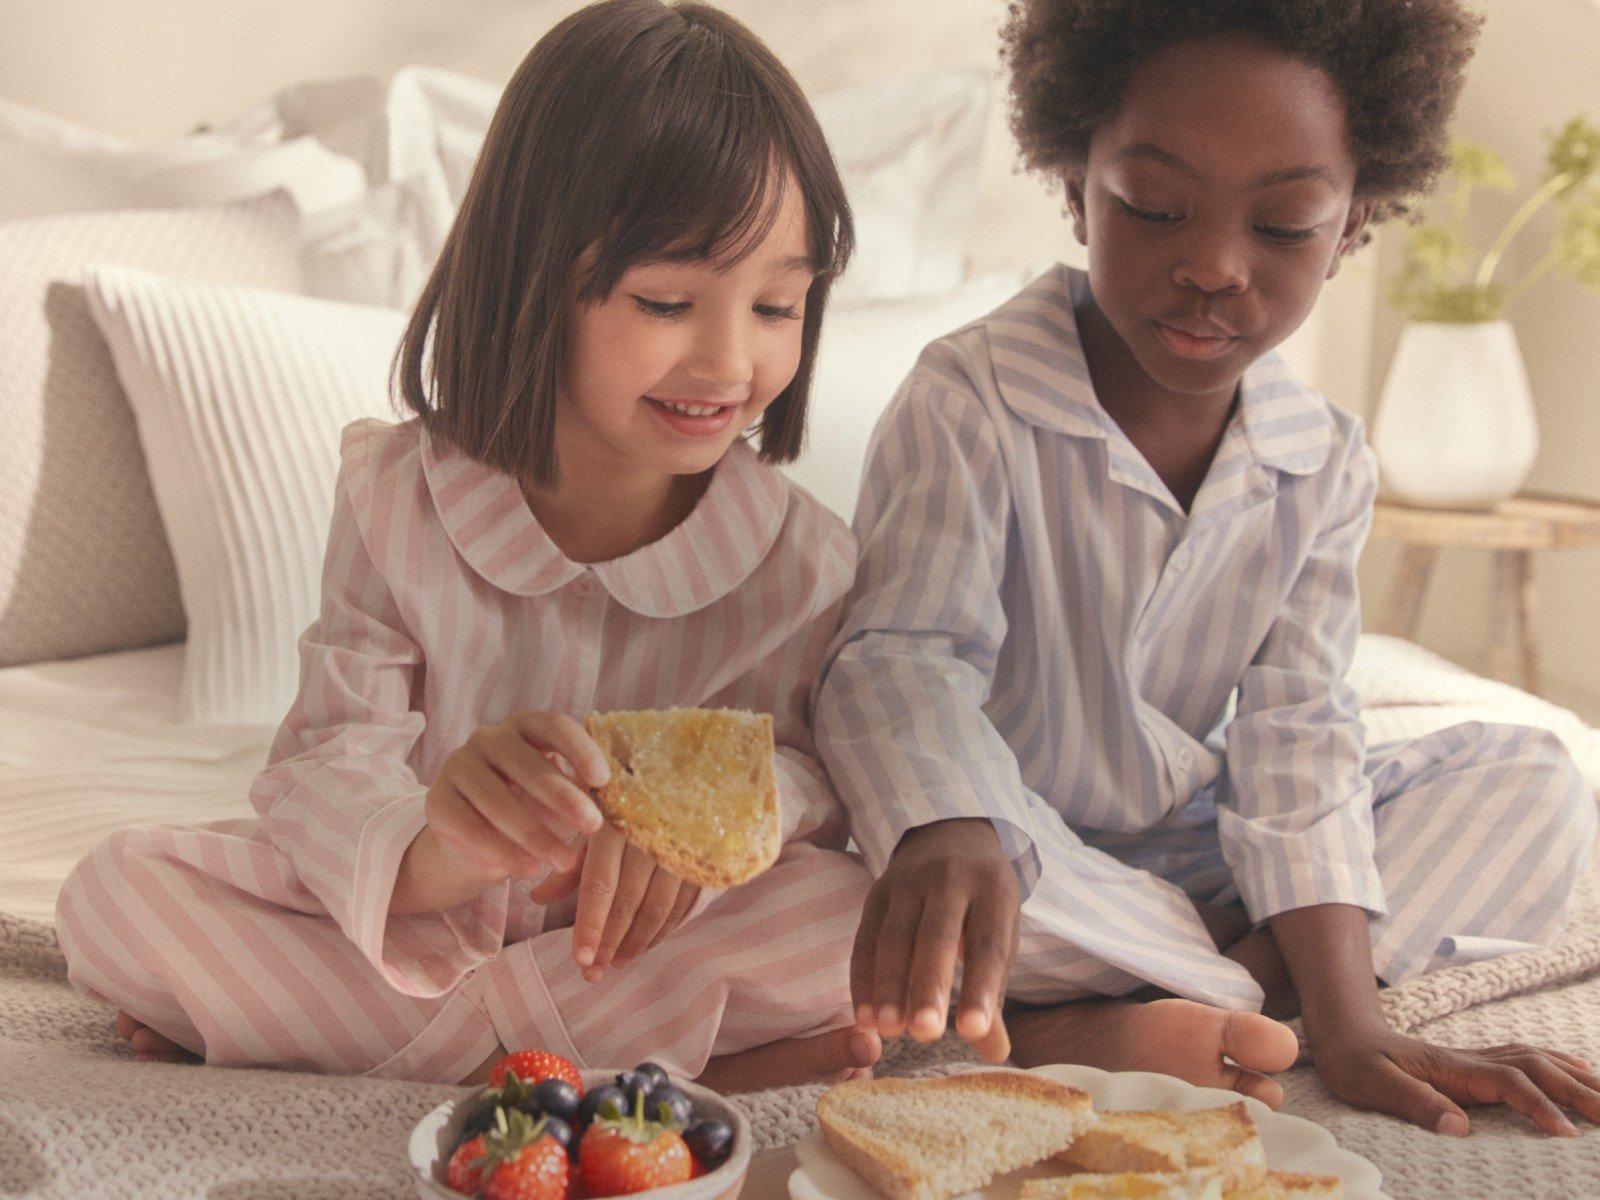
(1212, 267)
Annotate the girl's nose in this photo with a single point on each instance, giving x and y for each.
(722, 355)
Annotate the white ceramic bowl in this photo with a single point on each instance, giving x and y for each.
(436, 1136)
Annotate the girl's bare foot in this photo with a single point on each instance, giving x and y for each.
(1176, 1037)
(150, 1046)
(826, 1058)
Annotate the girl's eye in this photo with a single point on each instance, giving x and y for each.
(661, 308)
(1145, 214)
(1278, 234)
(772, 312)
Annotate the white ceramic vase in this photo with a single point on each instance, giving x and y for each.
(1455, 425)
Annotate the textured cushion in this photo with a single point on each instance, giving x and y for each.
(239, 395)
(84, 565)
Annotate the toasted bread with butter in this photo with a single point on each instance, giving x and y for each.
(1224, 1138)
(694, 788)
(930, 1139)
(1290, 1185)
(1127, 1185)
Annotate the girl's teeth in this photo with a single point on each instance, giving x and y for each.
(693, 410)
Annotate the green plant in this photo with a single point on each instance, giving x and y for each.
(1437, 280)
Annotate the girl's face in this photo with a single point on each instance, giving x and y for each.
(682, 357)
(1214, 204)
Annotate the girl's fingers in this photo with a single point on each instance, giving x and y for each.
(933, 967)
(896, 937)
(532, 775)
(559, 884)
(688, 896)
(490, 796)
(602, 865)
(559, 732)
(864, 959)
(638, 868)
(651, 919)
(1498, 1083)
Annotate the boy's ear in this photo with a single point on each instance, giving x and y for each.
(1072, 181)
(1355, 224)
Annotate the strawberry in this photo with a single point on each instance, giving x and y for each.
(535, 1066)
(521, 1161)
(619, 1156)
(465, 1170)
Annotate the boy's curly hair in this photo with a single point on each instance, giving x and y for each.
(1398, 63)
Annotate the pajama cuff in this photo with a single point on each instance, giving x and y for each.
(424, 963)
(1277, 871)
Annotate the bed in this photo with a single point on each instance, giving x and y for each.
(181, 324)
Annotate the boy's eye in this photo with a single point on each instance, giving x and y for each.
(1279, 234)
(1154, 216)
(661, 308)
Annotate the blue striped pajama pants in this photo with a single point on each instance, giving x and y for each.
(1481, 831)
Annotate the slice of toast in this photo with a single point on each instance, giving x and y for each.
(1127, 1185)
(1289, 1185)
(930, 1139)
(1223, 1138)
(694, 788)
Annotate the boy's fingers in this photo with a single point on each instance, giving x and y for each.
(893, 960)
(1391, 1089)
(988, 941)
(1490, 1083)
(602, 865)
(559, 732)
(863, 959)
(933, 968)
(638, 868)
(1564, 1087)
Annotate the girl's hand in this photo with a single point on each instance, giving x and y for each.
(627, 902)
(948, 892)
(504, 804)
(1427, 1084)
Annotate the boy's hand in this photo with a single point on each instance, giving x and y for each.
(1427, 1084)
(627, 902)
(948, 892)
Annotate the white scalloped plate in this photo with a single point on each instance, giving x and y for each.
(1291, 1143)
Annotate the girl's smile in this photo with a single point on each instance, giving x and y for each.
(695, 418)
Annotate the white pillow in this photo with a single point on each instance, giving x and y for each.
(867, 350)
(52, 166)
(84, 565)
(909, 149)
(239, 396)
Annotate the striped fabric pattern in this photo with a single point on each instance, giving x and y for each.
(1040, 635)
(445, 607)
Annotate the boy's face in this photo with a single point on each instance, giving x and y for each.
(1214, 204)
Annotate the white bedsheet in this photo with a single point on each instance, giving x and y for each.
(91, 744)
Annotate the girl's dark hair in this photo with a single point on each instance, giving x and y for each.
(647, 131)
(1398, 64)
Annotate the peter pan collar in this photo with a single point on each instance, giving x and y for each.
(713, 551)
(1043, 378)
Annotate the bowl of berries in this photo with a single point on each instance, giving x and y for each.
(543, 1130)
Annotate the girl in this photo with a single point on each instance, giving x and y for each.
(572, 520)
(1088, 706)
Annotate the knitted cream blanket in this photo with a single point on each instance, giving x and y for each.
(79, 1117)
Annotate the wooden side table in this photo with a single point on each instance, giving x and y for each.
(1511, 531)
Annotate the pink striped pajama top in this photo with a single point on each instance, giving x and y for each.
(446, 607)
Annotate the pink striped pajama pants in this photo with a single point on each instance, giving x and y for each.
(205, 935)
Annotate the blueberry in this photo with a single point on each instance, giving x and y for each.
(557, 1097)
(656, 1074)
(609, 1095)
(562, 1132)
(633, 1084)
(480, 1121)
(679, 1110)
(710, 1141)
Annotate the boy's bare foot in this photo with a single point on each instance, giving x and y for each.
(826, 1058)
(1175, 1037)
(150, 1046)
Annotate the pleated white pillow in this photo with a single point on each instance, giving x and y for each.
(239, 395)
